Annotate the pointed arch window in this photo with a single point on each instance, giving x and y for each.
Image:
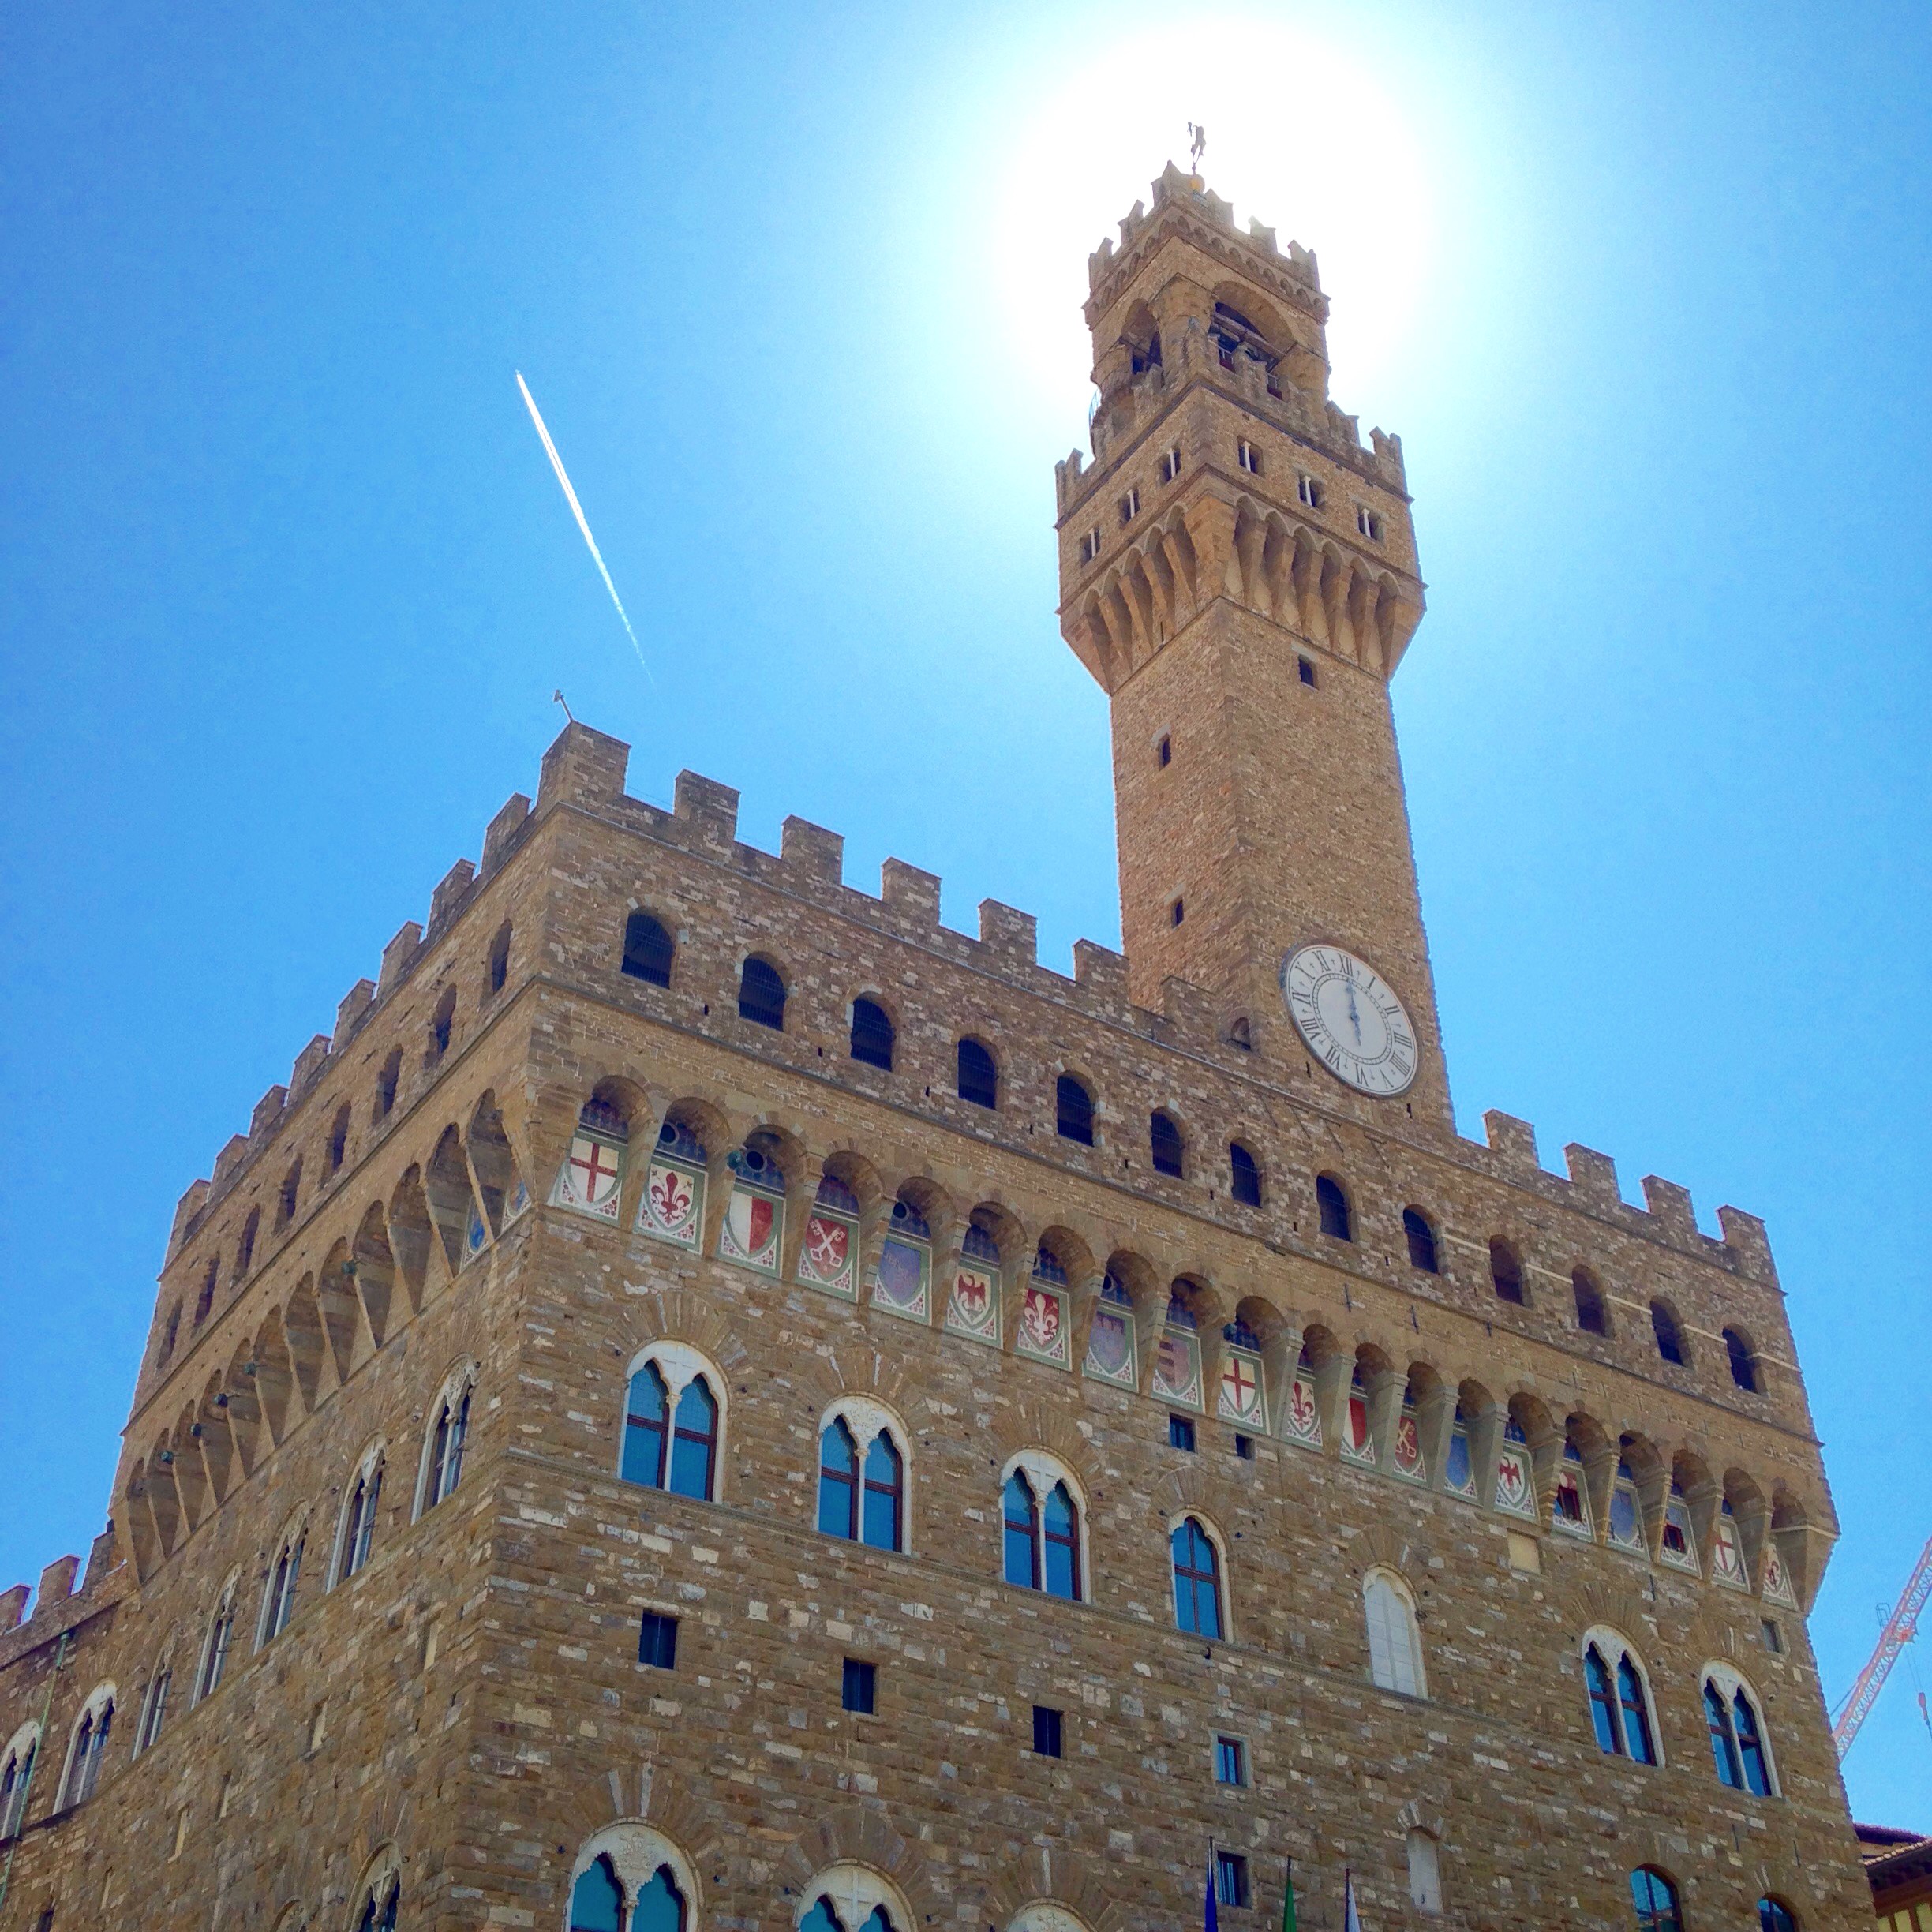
(762, 994)
(647, 949)
(215, 1653)
(1332, 1202)
(1654, 1899)
(670, 1429)
(1775, 1916)
(1395, 1638)
(279, 1602)
(861, 1498)
(596, 1900)
(448, 1436)
(1196, 1580)
(90, 1746)
(500, 958)
(1736, 1734)
(15, 1778)
(154, 1709)
(1620, 1699)
(1041, 1534)
(359, 1521)
(823, 1917)
(379, 1912)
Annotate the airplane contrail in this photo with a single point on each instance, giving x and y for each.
(597, 555)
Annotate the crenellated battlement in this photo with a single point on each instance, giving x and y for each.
(585, 771)
(67, 1594)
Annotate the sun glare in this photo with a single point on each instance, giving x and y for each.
(1298, 136)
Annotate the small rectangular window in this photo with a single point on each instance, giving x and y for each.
(1250, 458)
(1090, 546)
(1367, 522)
(1045, 1731)
(1177, 913)
(1180, 1433)
(1170, 466)
(860, 1689)
(657, 1641)
(1305, 668)
(1243, 1446)
(1130, 506)
(1309, 490)
(1230, 1878)
(1773, 1637)
(1230, 1761)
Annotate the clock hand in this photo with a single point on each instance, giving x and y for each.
(1354, 1018)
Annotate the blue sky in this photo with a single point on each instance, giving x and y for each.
(288, 584)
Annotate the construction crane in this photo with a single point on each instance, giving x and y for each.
(1900, 1627)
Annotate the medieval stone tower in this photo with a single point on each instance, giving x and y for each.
(712, 1400)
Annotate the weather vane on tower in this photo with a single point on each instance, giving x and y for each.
(1197, 140)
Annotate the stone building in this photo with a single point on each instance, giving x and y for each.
(711, 1399)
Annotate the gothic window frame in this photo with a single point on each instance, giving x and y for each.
(446, 1439)
(865, 1420)
(1729, 1684)
(1400, 1635)
(1193, 1524)
(17, 1764)
(282, 1584)
(87, 1746)
(217, 1641)
(154, 1705)
(679, 1366)
(1619, 1656)
(855, 1893)
(1042, 1473)
(355, 1523)
(378, 1894)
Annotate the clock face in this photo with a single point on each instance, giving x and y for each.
(1350, 1016)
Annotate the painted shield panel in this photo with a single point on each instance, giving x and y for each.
(588, 1180)
(1241, 1388)
(1626, 1518)
(519, 1201)
(1043, 1326)
(1304, 1417)
(1727, 1559)
(1460, 1475)
(973, 1307)
(902, 1284)
(753, 1223)
(1110, 1346)
(1679, 1548)
(1777, 1583)
(1408, 1457)
(673, 1207)
(1357, 1444)
(1570, 1513)
(1176, 1368)
(829, 1258)
(1515, 1492)
(476, 1237)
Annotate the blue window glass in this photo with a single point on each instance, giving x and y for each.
(1461, 1475)
(1602, 1703)
(1062, 1543)
(821, 1917)
(597, 1902)
(838, 1480)
(1197, 1580)
(645, 1431)
(1022, 1544)
(1655, 1900)
(660, 1905)
(1636, 1712)
(1722, 1742)
(1750, 1747)
(884, 1490)
(693, 1446)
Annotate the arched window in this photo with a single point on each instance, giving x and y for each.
(1654, 1899)
(823, 1917)
(1040, 1518)
(154, 1706)
(979, 1078)
(647, 949)
(279, 1599)
(861, 1498)
(387, 1082)
(1620, 1698)
(670, 1425)
(449, 1435)
(1421, 1238)
(1332, 1201)
(596, 1900)
(1743, 1361)
(1737, 1738)
(1593, 1317)
(1505, 1272)
(16, 1776)
(1164, 1140)
(170, 1330)
(1196, 1580)
(871, 1034)
(1244, 1176)
(1073, 1117)
(1775, 1916)
(204, 1300)
(358, 1529)
(1240, 1034)
(244, 1255)
(290, 1193)
(629, 1878)
(441, 1022)
(1669, 1337)
(762, 994)
(1424, 1872)
(214, 1651)
(1394, 1639)
(90, 1746)
(378, 1910)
